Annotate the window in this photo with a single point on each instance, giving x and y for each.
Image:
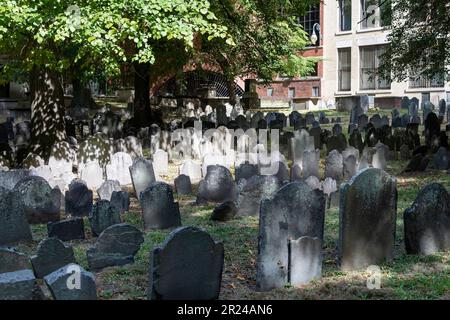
(375, 13)
(270, 92)
(344, 69)
(370, 60)
(345, 15)
(425, 82)
(315, 91)
(291, 93)
(311, 17)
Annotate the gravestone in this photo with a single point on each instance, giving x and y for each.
(252, 191)
(102, 216)
(367, 219)
(12, 260)
(246, 171)
(350, 167)
(17, 285)
(14, 226)
(313, 182)
(161, 162)
(334, 166)
(442, 159)
(188, 266)
(107, 188)
(66, 230)
(405, 103)
(294, 212)
(92, 174)
(310, 164)
(159, 209)
(305, 260)
(142, 175)
(121, 201)
(427, 222)
(224, 212)
(41, 203)
(78, 199)
(183, 185)
(58, 281)
(192, 170)
(379, 159)
(116, 246)
(51, 255)
(118, 169)
(218, 186)
(405, 153)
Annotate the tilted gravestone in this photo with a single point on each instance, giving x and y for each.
(12, 260)
(295, 211)
(42, 204)
(218, 186)
(66, 230)
(142, 175)
(427, 222)
(14, 226)
(159, 209)
(116, 246)
(224, 212)
(252, 191)
(17, 285)
(107, 188)
(51, 255)
(102, 216)
(71, 282)
(367, 219)
(78, 199)
(183, 185)
(188, 266)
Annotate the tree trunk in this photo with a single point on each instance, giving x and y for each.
(47, 111)
(142, 111)
(82, 96)
(232, 91)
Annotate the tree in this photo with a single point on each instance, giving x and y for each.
(266, 39)
(49, 38)
(418, 40)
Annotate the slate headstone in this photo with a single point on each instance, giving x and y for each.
(17, 285)
(142, 175)
(14, 226)
(66, 230)
(51, 255)
(183, 185)
(102, 216)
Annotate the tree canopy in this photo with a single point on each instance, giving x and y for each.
(419, 40)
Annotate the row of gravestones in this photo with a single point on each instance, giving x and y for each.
(191, 252)
(300, 260)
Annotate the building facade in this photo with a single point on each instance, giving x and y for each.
(355, 36)
(299, 93)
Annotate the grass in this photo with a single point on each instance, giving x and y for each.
(406, 277)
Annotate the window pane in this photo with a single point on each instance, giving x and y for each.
(370, 61)
(311, 17)
(345, 15)
(344, 69)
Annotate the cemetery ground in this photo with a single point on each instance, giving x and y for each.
(406, 277)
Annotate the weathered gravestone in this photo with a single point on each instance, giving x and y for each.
(305, 260)
(12, 260)
(14, 226)
(116, 246)
(142, 175)
(183, 185)
(118, 169)
(78, 199)
(367, 219)
(442, 159)
(8, 179)
(161, 162)
(334, 166)
(294, 212)
(252, 191)
(159, 209)
(427, 222)
(350, 166)
(71, 282)
(92, 174)
(17, 285)
(51, 255)
(41, 203)
(246, 171)
(224, 212)
(107, 188)
(66, 230)
(310, 163)
(121, 201)
(188, 266)
(218, 186)
(102, 216)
